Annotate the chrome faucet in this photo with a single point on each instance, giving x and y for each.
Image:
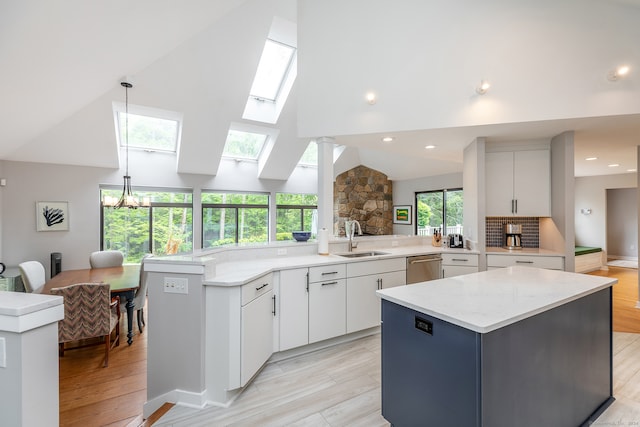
(350, 229)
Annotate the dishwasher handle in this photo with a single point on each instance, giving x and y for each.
(420, 261)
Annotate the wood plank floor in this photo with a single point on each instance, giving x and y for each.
(338, 386)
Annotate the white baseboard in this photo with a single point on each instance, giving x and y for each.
(177, 397)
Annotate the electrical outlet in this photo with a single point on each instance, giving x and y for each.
(282, 251)
(176, 285)
(3, 353)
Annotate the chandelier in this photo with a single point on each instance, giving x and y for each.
(127, 199)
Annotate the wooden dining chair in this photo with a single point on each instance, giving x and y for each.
(33, 276)
(89, 312)
(104, 259)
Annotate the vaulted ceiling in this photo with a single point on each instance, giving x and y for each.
(62, 67)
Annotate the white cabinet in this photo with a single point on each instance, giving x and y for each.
(256, 326)
(363, 280)
(327, 302)
(312, 304)
(518, 183)
(459, 264)
(293, 308)
(508, 260)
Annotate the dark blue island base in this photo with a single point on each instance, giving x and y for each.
(551, 369)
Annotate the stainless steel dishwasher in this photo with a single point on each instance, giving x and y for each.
(423, 267)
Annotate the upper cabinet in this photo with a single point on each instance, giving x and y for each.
(518, 183)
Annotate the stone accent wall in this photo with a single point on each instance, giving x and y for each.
(364, 195)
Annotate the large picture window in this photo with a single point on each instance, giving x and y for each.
(439, 210)
(295, 212)
(163, 228)
(229, 218)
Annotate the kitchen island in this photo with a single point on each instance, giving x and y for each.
(515, 346)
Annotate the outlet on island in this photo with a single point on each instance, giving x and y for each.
(176, 285)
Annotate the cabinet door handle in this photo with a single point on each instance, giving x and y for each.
(379, 283)
(263, 286)
(459, 259)
(512, 211)
(329, 272)
(524, 262)
(307, 282)
(274, 305)
(329, 283)
(516, 206)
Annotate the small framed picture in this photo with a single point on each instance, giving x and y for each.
(52, 216)
(402, 214)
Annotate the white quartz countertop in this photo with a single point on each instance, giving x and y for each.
(240, 272)
(489, 300)
(523, 251)
(20, 312)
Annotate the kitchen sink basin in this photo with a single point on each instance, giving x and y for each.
(362, 254)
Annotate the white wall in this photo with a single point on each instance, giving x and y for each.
(28, 183)
(404, 193)
(622, 223)
(591, 193)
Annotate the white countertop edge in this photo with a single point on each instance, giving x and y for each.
(483, 329)
(32, 320)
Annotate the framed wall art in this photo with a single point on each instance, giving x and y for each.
(402, 214)
(52, 216)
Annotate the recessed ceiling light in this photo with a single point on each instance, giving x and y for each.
(621, 71)
(387, 139)
(429, 147)
(371, 98)
(614, 165)
(483, 88)
(591, 158)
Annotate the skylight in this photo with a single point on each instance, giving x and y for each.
(310, 155)
(149, 132)
(274, 66)
(244, 145)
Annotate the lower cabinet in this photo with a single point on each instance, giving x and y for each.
(363, 305)
(256, 332)
(312, 305)
(549, 262)
(327, 309)
(459, 264)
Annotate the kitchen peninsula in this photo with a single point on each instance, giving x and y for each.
(514, 346)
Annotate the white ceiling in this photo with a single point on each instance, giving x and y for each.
(61, 64)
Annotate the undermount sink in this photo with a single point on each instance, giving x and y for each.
(362, 254)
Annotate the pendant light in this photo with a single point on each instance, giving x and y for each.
(128, 200)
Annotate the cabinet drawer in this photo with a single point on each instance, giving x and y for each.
(460, 259)
(256, 287)
(550, 262)
(355, 269)
(327, 272)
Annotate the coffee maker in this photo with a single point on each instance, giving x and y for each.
(513, 236)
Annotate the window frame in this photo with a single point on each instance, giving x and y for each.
(150, 208)
(444, 206)
(154, 113)
(236, 207)
(299, 207)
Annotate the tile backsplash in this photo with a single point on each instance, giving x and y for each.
(530, 230)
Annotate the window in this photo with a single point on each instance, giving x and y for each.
(434, 209)
(149, 128)
(229, 218)
(244, 145)
(295, 212)
(166, 227)
(273, 68)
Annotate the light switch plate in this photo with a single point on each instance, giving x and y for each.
(176, 285)
(3, 353)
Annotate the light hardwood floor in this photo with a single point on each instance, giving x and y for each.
(333, 387)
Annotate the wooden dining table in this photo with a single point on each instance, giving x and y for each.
(123, 281)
